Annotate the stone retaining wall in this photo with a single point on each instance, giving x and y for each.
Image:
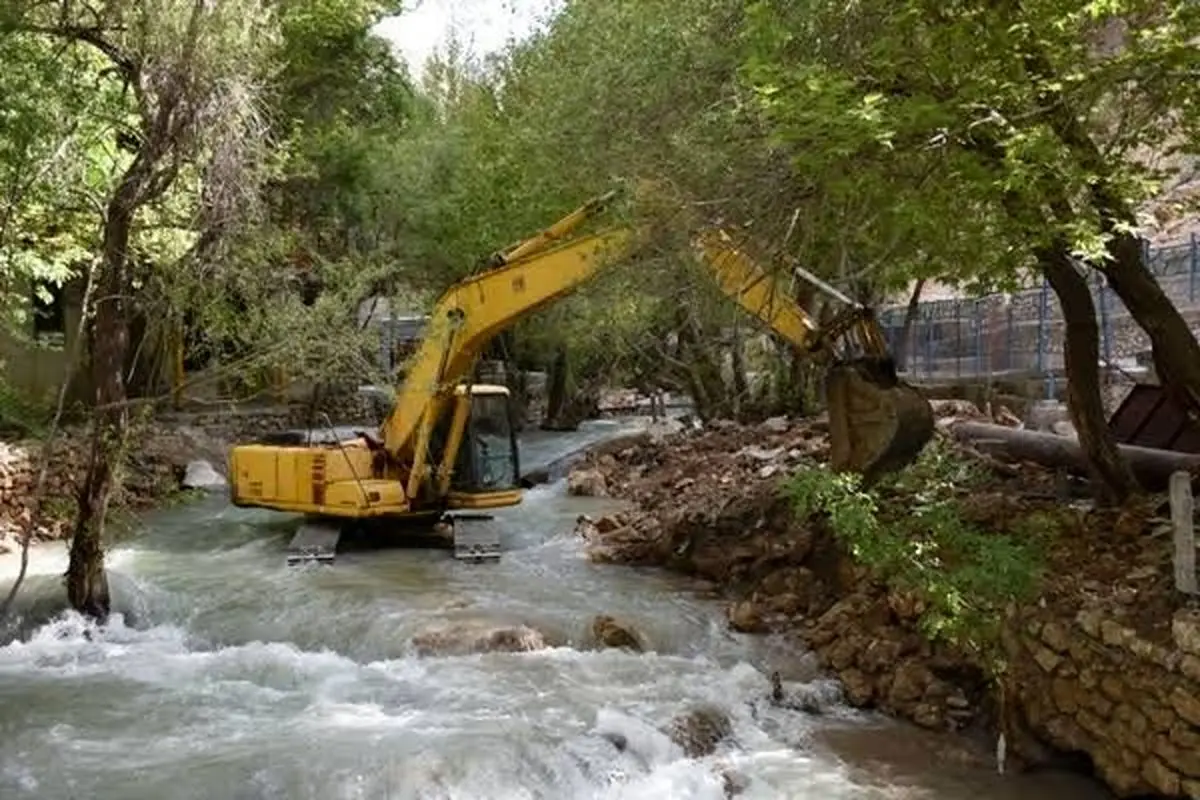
(157, 458)
(1093, 686)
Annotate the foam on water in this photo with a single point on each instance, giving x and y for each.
(228, 675)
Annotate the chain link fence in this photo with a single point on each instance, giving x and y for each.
(1019, 336)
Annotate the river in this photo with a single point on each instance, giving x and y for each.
(227, 675)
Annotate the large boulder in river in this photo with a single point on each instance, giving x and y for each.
(610, 633)
(587, 483)
(700, 730)
(201, 474)
(465, 638)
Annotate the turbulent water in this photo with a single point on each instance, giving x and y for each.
(228, 675)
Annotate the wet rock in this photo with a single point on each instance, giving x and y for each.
(618, 740)
(587, 483)
(1185, 629)
(468, 638)
(735, 782)
(802, 701)
(745, 616)
(700, 730)
(859, 688)
(608, 632)
(201, 474)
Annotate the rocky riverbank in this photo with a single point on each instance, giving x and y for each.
(153, 473)
(1098, 656)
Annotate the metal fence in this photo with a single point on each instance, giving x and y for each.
(1019, 336)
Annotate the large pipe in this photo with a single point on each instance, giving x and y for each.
(1152, 467)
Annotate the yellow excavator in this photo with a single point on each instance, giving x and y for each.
(447, 448)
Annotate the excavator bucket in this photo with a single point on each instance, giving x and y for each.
(877, 423)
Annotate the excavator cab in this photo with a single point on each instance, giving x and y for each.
(486, 470)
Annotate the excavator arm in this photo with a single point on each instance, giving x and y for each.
(476, 309)
(876, 422)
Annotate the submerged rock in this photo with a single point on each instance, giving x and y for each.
(610, 633)
(700, 730)
(467, 638)
(746, 616)
(200, 474)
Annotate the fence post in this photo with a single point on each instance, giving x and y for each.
(1043, 339)
(1009, 324)
(928, 341)
(958, 339)
(1194, 271)
(1105, 320)
(1183, 520)
(980, 321)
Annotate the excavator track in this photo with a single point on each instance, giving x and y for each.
(877, 423)
(476, 538)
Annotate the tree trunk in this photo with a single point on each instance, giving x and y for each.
(1176, 351)
(900, 354)
(741, 388)
(1110, 474)
(108, 341)
(557, 388)
(704, 378)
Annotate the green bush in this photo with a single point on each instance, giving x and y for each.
(909, 531)
(21, 416)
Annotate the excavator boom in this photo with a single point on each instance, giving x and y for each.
(878, 424)
(476, 309)
(448, 446)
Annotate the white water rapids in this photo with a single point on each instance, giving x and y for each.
(229, 676)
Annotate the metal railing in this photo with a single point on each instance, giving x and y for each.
(1019, 336)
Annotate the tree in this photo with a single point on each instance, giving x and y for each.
(1010, 111)
(184, 69)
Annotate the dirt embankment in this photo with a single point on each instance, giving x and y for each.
(710, 504)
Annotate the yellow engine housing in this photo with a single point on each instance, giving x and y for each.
(324, 480)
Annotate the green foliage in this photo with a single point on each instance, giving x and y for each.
(20, 415)
(873, 144)
(910, 532)
(920, 114)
